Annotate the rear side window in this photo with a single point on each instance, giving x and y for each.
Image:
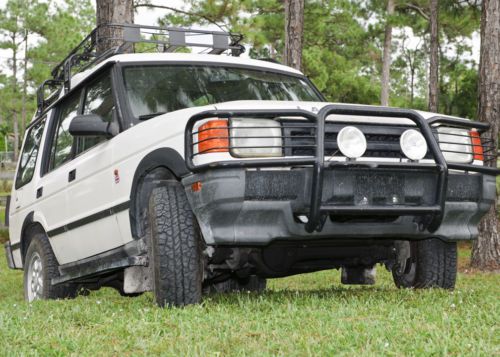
(29, 155)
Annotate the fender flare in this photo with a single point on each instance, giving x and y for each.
(151, 164)
(29, 221)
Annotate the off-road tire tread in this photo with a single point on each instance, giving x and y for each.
(41, 244)
(175, 247)
(436, 266)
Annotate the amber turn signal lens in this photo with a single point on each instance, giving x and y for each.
(213, 136)
(196, 187)
(477, 147)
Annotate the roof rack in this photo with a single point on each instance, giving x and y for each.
(162, 39)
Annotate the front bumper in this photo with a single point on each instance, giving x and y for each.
(255, 207)
(314, 197)
(9, 256)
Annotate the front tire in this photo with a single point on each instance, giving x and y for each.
(432, 264)
(175, 252)
(39, 269)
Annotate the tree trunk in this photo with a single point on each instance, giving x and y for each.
(434, 57)
(15, 123)
(412, 86)
(386, 61)
(25, 84)
(113, 12)
(486, 249)
(294, 28)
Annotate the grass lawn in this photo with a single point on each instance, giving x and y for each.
(303, 315)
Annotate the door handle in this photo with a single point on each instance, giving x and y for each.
(72, 175)
(39, 192)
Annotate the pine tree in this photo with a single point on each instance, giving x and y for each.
(486, 249)
(112, 12)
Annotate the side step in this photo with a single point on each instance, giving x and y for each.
(133, 253)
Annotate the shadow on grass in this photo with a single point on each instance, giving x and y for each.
(338, 294)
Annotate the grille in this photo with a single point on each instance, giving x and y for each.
(382, 140)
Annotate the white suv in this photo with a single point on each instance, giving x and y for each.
(182, 173)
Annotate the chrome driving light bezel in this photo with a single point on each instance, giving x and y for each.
(413, 145)
(351, 142)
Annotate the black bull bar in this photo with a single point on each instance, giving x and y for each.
(318, 212)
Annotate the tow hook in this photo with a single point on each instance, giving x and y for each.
(403, 255)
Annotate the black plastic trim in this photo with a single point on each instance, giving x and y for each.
(8, 255)
(28, 221)
(7, 210)
(160, 158)
(89, 219)
(114, 259)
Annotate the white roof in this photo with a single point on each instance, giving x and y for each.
(186, 57)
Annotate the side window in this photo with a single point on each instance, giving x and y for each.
(29, 155)
(98, 100)
(62, 144)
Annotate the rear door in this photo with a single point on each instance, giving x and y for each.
(51, 189)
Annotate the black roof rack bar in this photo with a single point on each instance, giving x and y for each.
(166, 39)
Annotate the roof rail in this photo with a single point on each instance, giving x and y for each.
(162, 39)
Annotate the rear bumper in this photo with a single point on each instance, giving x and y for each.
(9, 256)
(256, 207)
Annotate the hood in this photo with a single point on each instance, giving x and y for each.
(315, 107)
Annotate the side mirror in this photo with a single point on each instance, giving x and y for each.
(92, 125)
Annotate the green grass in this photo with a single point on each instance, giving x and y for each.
(2, 216)
(303, 315)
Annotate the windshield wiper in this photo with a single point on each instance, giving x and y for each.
(150, 115)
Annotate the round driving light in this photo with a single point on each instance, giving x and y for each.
(351, 142)
(413, 145)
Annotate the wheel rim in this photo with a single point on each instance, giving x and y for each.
(35, 278)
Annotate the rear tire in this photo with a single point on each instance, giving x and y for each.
(175, 252)
(432, 264)
(39, 269)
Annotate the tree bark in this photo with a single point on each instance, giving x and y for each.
(112, 12)
(15, 122)
(25, 84)
(294, 28)
(434, 57)
(486, 249)
(386, 61)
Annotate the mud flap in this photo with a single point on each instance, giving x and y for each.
(358, 275)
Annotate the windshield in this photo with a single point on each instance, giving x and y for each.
(164, 88)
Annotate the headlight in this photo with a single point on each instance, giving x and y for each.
(413, 144)
(455, 144)
(351, 142)
(255, 138)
